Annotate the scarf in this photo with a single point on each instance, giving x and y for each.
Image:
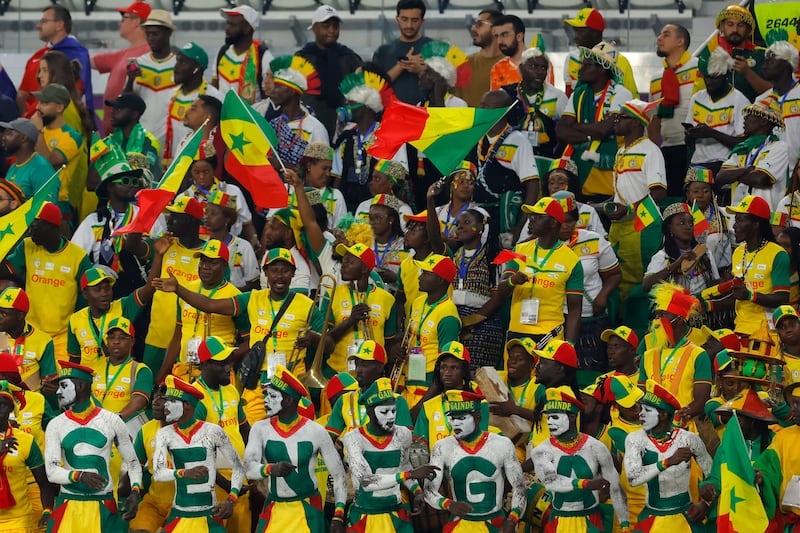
(751, 143)
(135, 142)
(248, 74)
(671, 88)
(589, 112)
(6, 496)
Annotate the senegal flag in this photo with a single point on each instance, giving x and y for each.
(700, 221)
(645, 213)
(444, 134)
(173, 176)
(250, 138)
(740, 507)
(14, 224)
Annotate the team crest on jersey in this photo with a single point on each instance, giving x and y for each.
(173, 254)
(83, 333)
(262, 312)
(37, 263)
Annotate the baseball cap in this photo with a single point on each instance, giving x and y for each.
(128, 101)
(177, 389)
(380, 391)
(587, 17)
(322, 14)
(623, 332)
(24, 126)
(214, 249)
(160, 17)
(214, 349)
(441, 265)
(462, 401)
(455, 349)
(187, 206)
(194, 52)
(562, 399)
(364, 253)
(75, 371)
(55, 92)
(49, 212)
(96, 275)
(121, 323)
(287, 383)
(545, 206)
(140, 9)
(784, 311)
(279, 254)
(249, 14)
(751, 205)
(622, 390)
(527, 344)
(560, 352)
(370, 351)
(14, 298)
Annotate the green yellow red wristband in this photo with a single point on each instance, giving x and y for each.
(339, 510)
(580, 483)
(402, 476)
(514, 516)
(75, 476)
(265, 470)
(445, 503)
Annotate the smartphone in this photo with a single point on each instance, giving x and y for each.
(739, 52)
(687, 126)
(132, 64)
(402, 58)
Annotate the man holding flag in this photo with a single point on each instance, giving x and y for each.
(639, 184)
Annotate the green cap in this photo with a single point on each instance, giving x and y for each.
(194, 52)
(379, 392)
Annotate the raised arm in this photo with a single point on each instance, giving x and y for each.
(198, 301)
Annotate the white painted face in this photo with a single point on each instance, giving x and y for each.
(173, 410)
(557, 423)
(66, 393)
(463, 424)
(385, 416)
(648, 416)
(272, 401)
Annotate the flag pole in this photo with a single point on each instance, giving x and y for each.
(252, 118)
(48, 180)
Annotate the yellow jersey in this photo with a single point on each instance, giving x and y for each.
(16, 464)
(115, 385)
(222, 407)
(765, 271)
(435, 324)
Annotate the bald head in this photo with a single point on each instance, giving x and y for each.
(495, 100)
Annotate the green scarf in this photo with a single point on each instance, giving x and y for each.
(752, 142)
(135, 142)
(588, 114)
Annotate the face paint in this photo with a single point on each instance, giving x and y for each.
(648, 416)
(385, 417)
(557, 423)
(66, 393)
(463, 425)
(665, 325)
(173, 411)
(272, 401)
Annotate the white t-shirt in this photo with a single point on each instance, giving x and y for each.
(156, 87)
(637, 169)
(725, 115)
(596, 256)
(772, 159)
(790, 109)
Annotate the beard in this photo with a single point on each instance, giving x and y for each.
(661, 53)
(233, 39)
(510, 50)
(48, 119)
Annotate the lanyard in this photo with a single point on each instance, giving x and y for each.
(746, 268)
(521, 398)
(451, 220)
(353, 302)
(382, 257)
(538, 266)
(218, 406)
(110, 384)
(753, 155)
(668, 359)
(97, 333)
(273, 325)
(210, 295)
(785, 95)
(464, 268)
(424, 315)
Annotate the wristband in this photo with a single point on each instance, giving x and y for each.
(337, 518)
(232, 497)
(235, 491)
(510, 284)
(47, 510)
(136, 488)
(416, 489)
(265, 470)
(580, 483)
(339, 511)
(402, 476)
(180, 473)
(445, 504)
(75, 476)
(514, 516)
(662, 465)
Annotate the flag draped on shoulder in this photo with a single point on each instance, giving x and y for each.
(740, 507)
(250, 138)
(13, 225)
(151, 202)
(645, 213)
(444, 134)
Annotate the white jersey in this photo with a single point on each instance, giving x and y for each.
(242, 262)
(377, 483)
(207, 447)
(73, 444)
(725, 115)
(301, 447)
(155, 86)
(641, 464)
(589, 460)
(478, 476)
(772, 159)
(228, 80)
(243, 214)
(86, 236)
(790, 110)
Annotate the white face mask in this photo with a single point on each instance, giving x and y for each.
(385, 417)
(272, 401)
(557, 423)
(66, 393)
(648, 416)
(173, 411)
(463, 424)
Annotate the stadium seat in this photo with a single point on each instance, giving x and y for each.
(622, 5)
(286, 5)
(471, 4)
(198, 5)
(28, 5)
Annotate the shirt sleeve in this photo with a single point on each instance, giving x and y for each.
(106, 61)
(449, 329)
(144, 381)
(47, 364)
(240, 302)
(403, 413)
(702, 369)
(655, 169)
(657, 263)
(775, 162)
(132, 305)
(73, 346)
(575, 281)
(336, 424)
(569, 109)
(780, 272)
(608, 259)
(139, 449)
(421, 430)
(35, 458)
(16, 260)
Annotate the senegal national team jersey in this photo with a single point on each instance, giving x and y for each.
(16, 463)
(765, 271)
(180, 261)
(33, 352)
(537, 306)
(72, 147)
(222, 407)
(435, 325)
(144, 445)
(156, 86)
(193, 322)
(115, 385)
(52, 278)
(382, 320)
(85, 332)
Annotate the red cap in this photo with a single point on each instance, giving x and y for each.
(188, 206)
(49, 212)
(140, 9)
(441, 265)
(179, 384)
(15, 298)
(559, 351)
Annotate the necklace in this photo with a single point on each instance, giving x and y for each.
(485, 155)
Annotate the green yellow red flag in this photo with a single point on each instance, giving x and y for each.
(701, 223)
(444, 134)
(740, 507)
(645, 213)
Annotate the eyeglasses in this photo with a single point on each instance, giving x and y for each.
(480, 22)
(128, 181)
(42, 21)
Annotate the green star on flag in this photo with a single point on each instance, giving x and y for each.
(646, 213)
(8, 298)
(238, 142)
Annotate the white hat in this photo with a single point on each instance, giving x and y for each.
(248, 13)
(787, 52)
(322, 14)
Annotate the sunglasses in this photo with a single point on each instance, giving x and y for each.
(128, 181)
